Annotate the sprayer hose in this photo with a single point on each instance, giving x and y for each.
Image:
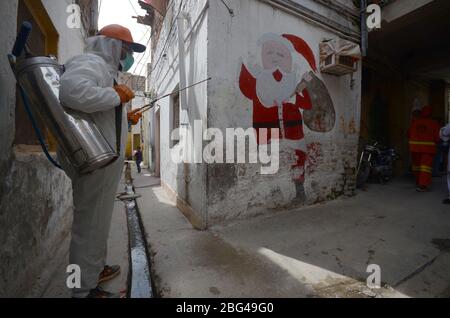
(36, 128)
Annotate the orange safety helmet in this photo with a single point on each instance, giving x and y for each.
(118, 32)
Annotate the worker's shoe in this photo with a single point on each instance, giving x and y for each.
(100, 293)
(422, 189)
(108, 273)
(446, 201)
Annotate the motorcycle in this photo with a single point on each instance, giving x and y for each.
(376, 162)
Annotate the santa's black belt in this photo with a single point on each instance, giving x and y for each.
(289, 123)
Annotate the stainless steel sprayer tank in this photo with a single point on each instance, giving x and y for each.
(76, 133)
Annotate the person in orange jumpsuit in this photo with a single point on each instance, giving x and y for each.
(423, 139)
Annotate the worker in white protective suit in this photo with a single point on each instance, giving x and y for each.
(445, 136)
(89, 84)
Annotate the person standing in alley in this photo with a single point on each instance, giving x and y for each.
(423, 139)
(89, 85)
(138, 159)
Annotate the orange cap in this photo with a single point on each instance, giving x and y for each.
(118, 32)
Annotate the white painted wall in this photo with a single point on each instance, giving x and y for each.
(71, 41)
(239, 191)
(148, 136)
(335, 16)
(137, 103)
(188, 180)
(216, 48)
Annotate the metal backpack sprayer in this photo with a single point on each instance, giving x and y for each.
(75, 132)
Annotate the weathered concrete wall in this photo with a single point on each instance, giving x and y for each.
(8, 22)
(240, 191)
(35, 197)
(36, 214)
(186, 179)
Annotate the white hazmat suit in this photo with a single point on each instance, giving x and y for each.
(87, 86)
(445, 136)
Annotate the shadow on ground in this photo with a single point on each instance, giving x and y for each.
(320, 251)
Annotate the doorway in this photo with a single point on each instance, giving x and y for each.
(404, 72)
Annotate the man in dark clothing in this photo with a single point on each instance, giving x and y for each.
(138, 159)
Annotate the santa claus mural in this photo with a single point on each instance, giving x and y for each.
(279, 90)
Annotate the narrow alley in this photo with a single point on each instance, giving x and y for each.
(321, 251)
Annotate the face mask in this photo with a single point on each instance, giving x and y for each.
(127, 63)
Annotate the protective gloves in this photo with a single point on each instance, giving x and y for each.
(125, 93)
(134, 117)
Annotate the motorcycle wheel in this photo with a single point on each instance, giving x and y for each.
(363, 175)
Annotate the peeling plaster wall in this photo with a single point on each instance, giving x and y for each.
(35, 198)
(240, 191)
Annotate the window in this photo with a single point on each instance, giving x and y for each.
(43, 41)
(175, 118)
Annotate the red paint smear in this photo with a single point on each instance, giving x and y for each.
(315, 156)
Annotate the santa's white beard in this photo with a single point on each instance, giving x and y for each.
(271, 92)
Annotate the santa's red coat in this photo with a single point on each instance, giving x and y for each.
(267, 117)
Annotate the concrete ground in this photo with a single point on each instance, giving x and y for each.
(319, 251)
(52, 283)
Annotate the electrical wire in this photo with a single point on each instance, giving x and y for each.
(36, 128)
(166, 42)
(143, 54)
(144, 66)
(135, 11)
(168, 38)
(230, 11)
(164, 46)
(142, 38)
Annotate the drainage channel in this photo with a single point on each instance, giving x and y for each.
(140, 281)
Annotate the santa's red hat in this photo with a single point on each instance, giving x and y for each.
(293, 43)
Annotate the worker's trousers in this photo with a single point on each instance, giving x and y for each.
(422, 166)
(448, 183)
(94, 196)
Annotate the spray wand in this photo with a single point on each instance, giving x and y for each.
(136, 114)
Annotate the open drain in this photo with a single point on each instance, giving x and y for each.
(140, 283)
